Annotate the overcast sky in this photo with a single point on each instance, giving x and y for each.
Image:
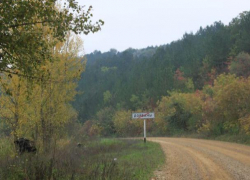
(142, 23)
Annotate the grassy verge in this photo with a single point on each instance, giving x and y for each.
(103, 159)
(132, 158)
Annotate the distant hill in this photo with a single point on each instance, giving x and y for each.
(138, 78)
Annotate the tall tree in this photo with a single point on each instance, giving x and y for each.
(41, 112)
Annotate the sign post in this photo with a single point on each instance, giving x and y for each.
(145, 131)
(144, 116)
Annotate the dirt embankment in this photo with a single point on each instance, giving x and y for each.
(191, 159)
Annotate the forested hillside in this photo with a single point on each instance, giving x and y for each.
(199, 83)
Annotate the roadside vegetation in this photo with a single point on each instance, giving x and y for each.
(242, 139)
(95, 159)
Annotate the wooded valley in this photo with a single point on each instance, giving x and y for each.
(197, 84)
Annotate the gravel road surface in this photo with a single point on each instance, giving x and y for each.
(191, 159)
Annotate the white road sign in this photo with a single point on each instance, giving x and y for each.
(147, 115)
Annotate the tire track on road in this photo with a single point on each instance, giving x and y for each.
(203, 159)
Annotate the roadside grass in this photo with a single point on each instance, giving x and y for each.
(99, 159)
(141, 159)
(241, 139)
(133, 159)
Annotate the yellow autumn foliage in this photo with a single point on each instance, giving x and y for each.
(125, 125)
(40, 109)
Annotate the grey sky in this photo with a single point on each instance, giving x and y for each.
(142, 23)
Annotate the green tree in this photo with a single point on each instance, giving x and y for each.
(107, 97)
(24, 42)
(240, 35)
(104, 119)
(179, 112)
(240, 65)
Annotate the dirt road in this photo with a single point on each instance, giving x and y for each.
(191, 159)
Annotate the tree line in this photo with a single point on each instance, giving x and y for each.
(198, 83)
